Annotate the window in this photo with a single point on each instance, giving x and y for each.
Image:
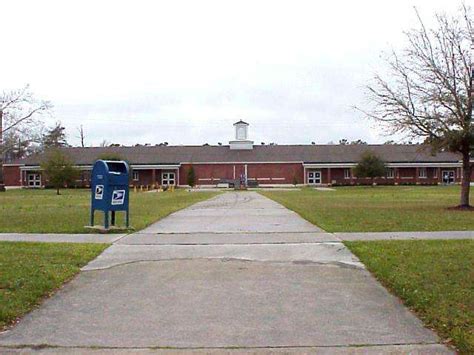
(241, 134)
(347, 173)
(136, 176)
(390, 173)
(422, 173)
(167, 179)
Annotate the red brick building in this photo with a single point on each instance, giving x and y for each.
(263, 165)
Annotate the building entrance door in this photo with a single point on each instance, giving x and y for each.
(168, 179)
(448, 177)
(34, 180)
(314, 177)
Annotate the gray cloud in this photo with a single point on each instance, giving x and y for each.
(184, 73)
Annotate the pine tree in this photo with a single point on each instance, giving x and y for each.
(55, 137)
(191, 178)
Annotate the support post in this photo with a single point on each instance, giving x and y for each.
(246, 177)
(92, 217)
(112, 222)
(106, 219)
(329, 177)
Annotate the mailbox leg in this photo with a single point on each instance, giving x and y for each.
(92, 218)
(106, 219)
(127, 219)
(112, 222)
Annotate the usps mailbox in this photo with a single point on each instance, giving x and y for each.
(110, 192)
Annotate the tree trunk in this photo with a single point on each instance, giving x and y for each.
(466, 179)
(57, 191)
(2, 185)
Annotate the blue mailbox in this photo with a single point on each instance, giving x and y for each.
(110, 190)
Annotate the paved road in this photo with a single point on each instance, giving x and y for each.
(237, 271)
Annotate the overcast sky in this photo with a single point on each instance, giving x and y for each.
(184, 71)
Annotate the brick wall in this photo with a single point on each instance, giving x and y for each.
(210, 174)
(402, 176)
(265, 174)
(12, 175)
(285, 173)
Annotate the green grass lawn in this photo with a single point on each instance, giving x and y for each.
(379, 209)
(42, 211)
(30, 272)
(434, 278)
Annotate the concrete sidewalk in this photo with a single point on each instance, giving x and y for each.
(405, 235)
(60, 238)
(239, 213)
(221, 238)
(179, 286)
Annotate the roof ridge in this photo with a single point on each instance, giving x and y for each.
(255, 145)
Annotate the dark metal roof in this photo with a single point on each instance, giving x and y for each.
(142, 155)
(241, 122)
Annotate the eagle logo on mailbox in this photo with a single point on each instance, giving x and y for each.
(99, 192)
(118, 197)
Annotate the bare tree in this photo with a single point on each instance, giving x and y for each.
(81, 136)
(427, 92)
(105, 143)
(19, 112)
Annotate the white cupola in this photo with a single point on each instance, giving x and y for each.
(241, 134)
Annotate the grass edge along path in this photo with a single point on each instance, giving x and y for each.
(31, 272)
(434, 278)
(42, 211)
(379, 209)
